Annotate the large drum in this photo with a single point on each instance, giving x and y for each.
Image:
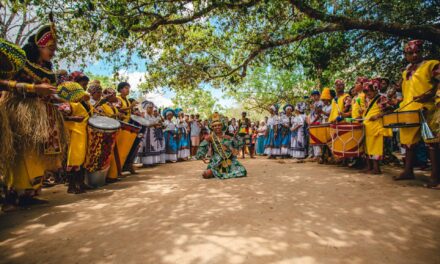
(124, 141)
(347, 139)
(319, 134)
(402, 119)
(102, 133)
(143, 124)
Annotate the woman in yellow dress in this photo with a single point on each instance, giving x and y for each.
(420, 82)
(376, 105)
(77, 113)
(40, 138)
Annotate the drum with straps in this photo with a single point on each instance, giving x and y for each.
(102, 133)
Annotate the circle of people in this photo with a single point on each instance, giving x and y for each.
(59, 120)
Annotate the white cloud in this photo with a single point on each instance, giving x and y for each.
(158, 99)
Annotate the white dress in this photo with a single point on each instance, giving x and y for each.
(298, 149)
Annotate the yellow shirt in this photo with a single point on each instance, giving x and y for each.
(126, 107)
(418, 84)
(337, 107)
(78, 134)
(374, 131)
(108, 110)
(358, 105)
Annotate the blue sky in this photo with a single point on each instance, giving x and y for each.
(134, 73)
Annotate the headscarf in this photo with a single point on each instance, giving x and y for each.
(414, 46)
(339, 82)
(301, 107)
(361, 79)
(167, 111)
(108, 92)
(94, 88)
(274, 107)
(145, 104)
(374, 84)
(288, 106)
(46, 36)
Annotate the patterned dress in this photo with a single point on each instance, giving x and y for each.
(184, 140)
(223, 163)
(170, 141)
(272, 144)
(286, 123)
(152, 149)
(298, 145)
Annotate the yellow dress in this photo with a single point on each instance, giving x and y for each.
(358, 105)
(109, 111)
(336, 107)
(125, 104)
(76, 154)
(418, 83)
(374, 131)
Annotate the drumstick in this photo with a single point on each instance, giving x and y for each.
(412, 101)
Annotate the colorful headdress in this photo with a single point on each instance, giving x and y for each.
(361, 79)
(339, 82)
(94, 88)
(374, 84)
(315, 92)
(71, 91)
(177, 111)
(16, 57)
(167, 111)
(46, 36)
(326, 94)
(275, 107)
(288, 106)
(146, 104)
(414, 45)
(108, 92)
(216, 119)
(301, 107)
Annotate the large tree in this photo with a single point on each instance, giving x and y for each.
(185, 43)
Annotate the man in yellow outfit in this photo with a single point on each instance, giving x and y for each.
(340, 104)
(358, 104)
(124, 102)
(420, 82)
(77, 113)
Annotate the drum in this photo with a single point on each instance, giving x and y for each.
(402, 119)
(319, 134)
(143, 124)
(124, 141)
(102, 133)
(347, 139)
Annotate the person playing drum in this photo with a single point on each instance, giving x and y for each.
(340, 104)
(124, 104)
(77, 113)
(358, 103)
(376, 105)
(420, 82)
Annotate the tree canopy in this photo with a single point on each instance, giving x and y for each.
(188, 43)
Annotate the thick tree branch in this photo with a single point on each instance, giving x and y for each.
(263, 47)
(162, 21)
(426, 32)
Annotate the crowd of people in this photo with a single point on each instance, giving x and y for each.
(60, 123)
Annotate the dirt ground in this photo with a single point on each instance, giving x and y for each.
(283, 212)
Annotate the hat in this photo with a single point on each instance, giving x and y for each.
(167, 111)
(315, 92)
(16, 57)
(287, 106)
(326, 94)
(71, 91)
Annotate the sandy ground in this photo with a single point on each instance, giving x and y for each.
(283, 212)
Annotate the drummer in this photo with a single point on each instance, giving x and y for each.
(95, 91)
(376, 104)
(77, 113)
(340, 104)
(420, 82)
(107, 106)
(358, 102)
